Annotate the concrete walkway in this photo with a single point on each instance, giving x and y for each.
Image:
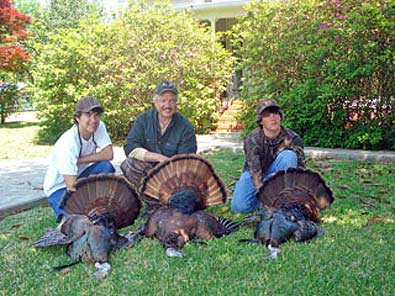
(21, 181)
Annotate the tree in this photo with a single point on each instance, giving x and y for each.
(68, 14)
(8, 99)
(12, 32)
(29, 7)
(13, 57)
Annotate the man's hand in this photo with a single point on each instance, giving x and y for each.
(258, 183)
(70, 181)
(106, 153)
(154, 157)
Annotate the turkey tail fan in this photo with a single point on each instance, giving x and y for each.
(299, 198)
(314, 183)
(184, 171)
(293, 178)
(271, 188)
(107, 195)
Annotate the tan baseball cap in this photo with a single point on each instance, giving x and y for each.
(87, 104)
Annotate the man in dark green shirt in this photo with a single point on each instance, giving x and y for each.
(157, 134)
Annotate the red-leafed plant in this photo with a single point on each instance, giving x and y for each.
(12, 32)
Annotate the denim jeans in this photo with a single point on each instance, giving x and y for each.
(100, 167)
(244, 196)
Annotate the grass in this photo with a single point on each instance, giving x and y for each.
(355, 256)
(17, 138)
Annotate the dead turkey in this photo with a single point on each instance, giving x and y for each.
(181, 188)
(98, 208)
(293, 201)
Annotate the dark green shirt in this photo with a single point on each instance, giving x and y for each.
(179, 137)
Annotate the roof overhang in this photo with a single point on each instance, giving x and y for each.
(223, 9)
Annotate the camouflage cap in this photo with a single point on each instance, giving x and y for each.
(87, 104)
(165, 86)
(263, 105)
(266, 103)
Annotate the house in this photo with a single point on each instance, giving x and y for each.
(220, 14)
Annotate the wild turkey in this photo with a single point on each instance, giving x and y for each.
(293, 201)
(100, 205)
(181, 188)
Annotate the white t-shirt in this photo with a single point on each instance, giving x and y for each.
(65, 154)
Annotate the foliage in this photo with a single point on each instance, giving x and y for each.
(120, 63)
(8, 99)
(330, 64)
(29, 7)
(13, 57)
(353, 257)
(12, 32)
(59, 17)
(61, 14)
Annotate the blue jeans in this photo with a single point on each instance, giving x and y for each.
(244, 197)
(100, 167)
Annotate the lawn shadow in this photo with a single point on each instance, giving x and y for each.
(19, 124)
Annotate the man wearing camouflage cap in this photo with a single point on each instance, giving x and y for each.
(268, 149)
(84, 149)
(157, 134)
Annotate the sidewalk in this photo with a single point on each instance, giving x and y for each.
(21, 181)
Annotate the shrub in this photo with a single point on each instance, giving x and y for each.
(8, 99)
(120, 64)
(329, 63)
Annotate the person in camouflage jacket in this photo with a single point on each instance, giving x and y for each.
(268, 149)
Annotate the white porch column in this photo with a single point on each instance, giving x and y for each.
(212, 20)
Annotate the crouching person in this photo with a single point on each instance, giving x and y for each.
(157, 134)
(268, 149)
(84, 149)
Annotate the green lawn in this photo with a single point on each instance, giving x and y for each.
(17, 138)
(355, 256)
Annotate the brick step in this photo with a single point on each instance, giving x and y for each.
(236, 106)
(232, 112)
(227, 117)
(224, 122)
(237, 102)
(228, 126)
(227, 122)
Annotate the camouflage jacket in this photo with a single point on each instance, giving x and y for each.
(260, 151)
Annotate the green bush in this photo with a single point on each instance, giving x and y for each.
(8, 99)
(330, 64)
(120, 64)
